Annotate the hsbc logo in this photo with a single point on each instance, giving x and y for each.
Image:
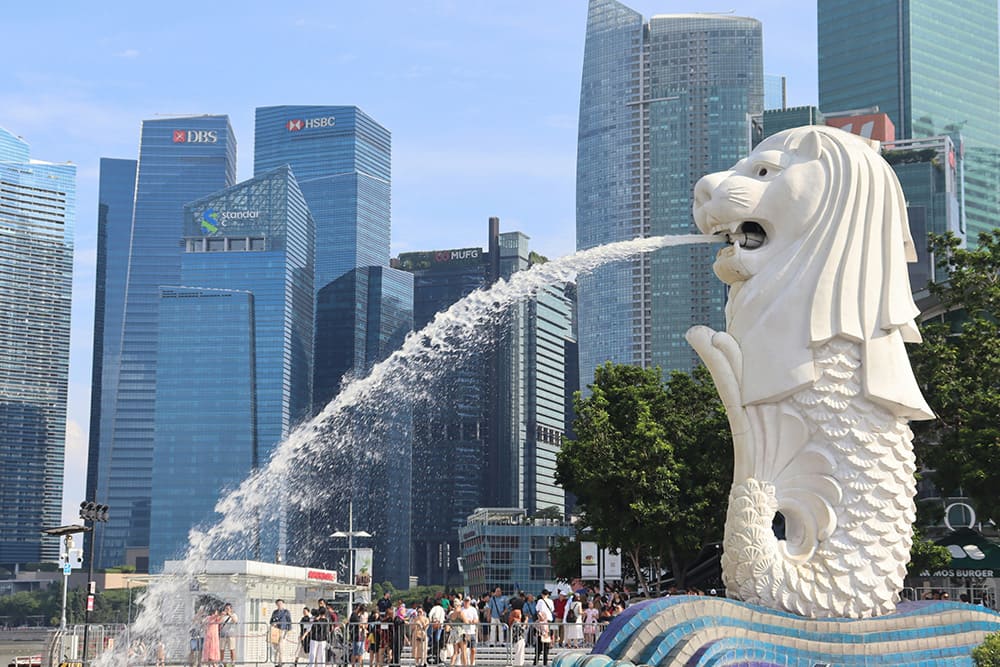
(310, 123)
(195, 136)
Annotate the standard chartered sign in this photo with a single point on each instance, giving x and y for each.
(238, 215)
(212, 220)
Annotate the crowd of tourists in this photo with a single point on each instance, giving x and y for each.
(447, 629)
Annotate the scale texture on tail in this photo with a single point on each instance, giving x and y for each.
(813, 372)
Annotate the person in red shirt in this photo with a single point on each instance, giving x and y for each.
(560, 619)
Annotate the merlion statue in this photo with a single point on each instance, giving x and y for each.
(813, 372)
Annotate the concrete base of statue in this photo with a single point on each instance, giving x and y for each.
(691, 631)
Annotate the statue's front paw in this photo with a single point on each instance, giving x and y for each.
(721, 354)
(700, 338)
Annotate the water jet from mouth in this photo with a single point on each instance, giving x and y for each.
(364, 408)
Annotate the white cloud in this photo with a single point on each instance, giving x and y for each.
(128, 53)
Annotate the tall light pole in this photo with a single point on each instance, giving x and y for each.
(92, 512)
(350, 534)
(66, 533)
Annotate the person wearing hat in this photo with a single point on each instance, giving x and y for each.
(470, 616)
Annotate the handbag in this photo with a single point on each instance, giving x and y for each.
(275, 637)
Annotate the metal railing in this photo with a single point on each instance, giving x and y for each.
(381, 644)
(979, 595)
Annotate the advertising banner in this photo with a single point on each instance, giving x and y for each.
(612, 564)
(588, 560)
(363, 567)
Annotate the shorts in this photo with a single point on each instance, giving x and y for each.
(357, 648)
(228, 643)
(470, 640)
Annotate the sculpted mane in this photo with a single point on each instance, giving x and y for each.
(845, 276)
(813, 372)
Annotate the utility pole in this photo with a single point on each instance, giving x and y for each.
(93, 512)
(350, 533)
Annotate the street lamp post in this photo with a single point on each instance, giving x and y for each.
(92, 512)
(350, 534)
(66, 533)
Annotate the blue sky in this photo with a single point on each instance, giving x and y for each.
(481, 98)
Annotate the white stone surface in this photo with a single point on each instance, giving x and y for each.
(813, 372)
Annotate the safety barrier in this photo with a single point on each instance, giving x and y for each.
(381, 644)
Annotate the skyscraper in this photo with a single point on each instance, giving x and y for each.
(662, 103)
(932, 67)
(37, 220)
(450, 440)
(246, 315)
(341, 158)
(497, 415)
(115, 201)
(362, 317)
(180, 160)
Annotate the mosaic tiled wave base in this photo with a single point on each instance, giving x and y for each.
(687, 631)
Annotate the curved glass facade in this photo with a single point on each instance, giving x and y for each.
(37, 221)
(932, 66)
(180, 159)
(661, 104)
(116, 197)
(341, 159)
(254, 378)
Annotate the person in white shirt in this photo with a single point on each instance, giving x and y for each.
(544, 613)
(436, 617)
(470, 616)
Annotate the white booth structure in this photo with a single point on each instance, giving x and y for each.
(251, 587)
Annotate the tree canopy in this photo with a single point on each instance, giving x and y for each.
(651, 464)
(958, 368)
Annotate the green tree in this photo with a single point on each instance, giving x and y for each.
(565, 558)
(651, 465)
(925, 555)
(987, 654)
(958, 368)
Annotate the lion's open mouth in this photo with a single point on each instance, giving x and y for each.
(748, 235)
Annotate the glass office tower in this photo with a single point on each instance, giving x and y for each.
(361, 318)
(931, 65)
(206, 421)
(180, 160)
(115, 200)
(662, 103)
(341, 158)
(451, 437)
(37, 220)
(496, 416)
(254, 242)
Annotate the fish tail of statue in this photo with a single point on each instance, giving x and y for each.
(838, 468)
(813, 371)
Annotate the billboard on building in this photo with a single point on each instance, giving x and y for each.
(439, 259)
(876, 126)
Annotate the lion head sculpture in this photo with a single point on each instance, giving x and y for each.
(822, 244)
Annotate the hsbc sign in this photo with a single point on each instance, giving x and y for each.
(195, 136)
(297, 124)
